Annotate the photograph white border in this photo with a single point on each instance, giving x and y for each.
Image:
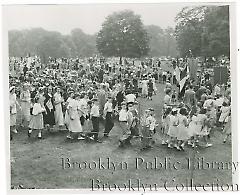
(4, 118)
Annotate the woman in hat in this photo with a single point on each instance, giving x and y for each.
(58, 113)
(13, 110)
(25, 102)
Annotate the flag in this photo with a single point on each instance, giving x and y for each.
(49, 104)
(177, 73)
(193, 65)
(184, 75)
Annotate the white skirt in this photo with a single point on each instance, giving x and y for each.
(75, 124)
(173, 131)
(36, 122)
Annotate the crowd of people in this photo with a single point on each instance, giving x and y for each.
(77, 96)
(199, 111)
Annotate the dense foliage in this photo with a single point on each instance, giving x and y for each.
(44, 43)
(204, 30)
(123, 35)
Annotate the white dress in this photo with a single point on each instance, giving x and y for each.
(13, 109)
(173, 126)
(182, 129)
(144, 87)
(36, 121)
(123, 115)
(66, 118)
(166, 124)
(224, 114)
(154, 85)
(74, 122)
(200, 126)
(25, 100)
(58, 109)
(192, 127)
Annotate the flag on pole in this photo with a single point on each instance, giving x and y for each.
(184, 75)
(177, 73)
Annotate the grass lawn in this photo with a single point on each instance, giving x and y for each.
(38, 163)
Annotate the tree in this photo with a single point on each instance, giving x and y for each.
(188, 30)
(38, 41)
(162, 41)
(84, 44)
(204, 30)
(216, 34)
(123, 35)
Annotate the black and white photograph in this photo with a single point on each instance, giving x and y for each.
(121, 97)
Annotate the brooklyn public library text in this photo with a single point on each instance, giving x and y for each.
(166, 163)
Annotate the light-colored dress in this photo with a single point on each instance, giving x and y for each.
(144, 87)
(74, 122)
(227, 128)
(224, 113)
(36, 121)
(13, 109)
(125, 118)
(25, 100)
(67, 118)
(173, 126)
(182, 129)
(166, 124)
(59, 120)
(201, 128)
(154, 85)
(192, 127)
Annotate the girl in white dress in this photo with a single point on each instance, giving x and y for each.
(182, 136)
(58, 113)
(74, 125)
(13, 110)
(67, 116)
(173, 128)
(144, 88)
(165, 125)
(202, 126)
(227, 130)
(192, 136)
(25, 101)
(225, 109)
(36, 122)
